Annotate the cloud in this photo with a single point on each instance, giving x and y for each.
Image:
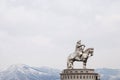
(45, 32)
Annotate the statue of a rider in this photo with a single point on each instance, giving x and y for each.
(79, 49)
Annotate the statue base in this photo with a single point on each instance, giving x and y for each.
(79, 74)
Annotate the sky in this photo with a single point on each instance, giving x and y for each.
(45, 32)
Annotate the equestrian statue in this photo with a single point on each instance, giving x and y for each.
(80, 54)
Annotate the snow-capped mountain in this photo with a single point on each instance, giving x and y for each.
(25, 72)
(109, 74)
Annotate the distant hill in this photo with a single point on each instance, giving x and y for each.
(25, 72)
(109, 74)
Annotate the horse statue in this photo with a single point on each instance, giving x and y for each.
(77, 56)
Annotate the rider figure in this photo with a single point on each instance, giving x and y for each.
(79, 48)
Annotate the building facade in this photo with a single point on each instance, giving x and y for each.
(79, 74)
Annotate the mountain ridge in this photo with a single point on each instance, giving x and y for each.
(25, 72)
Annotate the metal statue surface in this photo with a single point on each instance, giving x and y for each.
(79, 55)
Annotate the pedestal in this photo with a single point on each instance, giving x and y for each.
(79, 74)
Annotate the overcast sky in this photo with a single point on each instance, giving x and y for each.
(44, 32)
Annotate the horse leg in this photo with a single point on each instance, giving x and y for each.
(70, 64)
(84, 64)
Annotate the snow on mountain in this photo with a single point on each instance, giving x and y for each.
(25, 72)
(109, 74)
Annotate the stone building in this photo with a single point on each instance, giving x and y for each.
(79, 74)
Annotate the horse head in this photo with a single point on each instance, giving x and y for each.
(89, 51)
